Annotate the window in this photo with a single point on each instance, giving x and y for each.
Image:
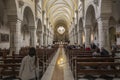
(61, 29)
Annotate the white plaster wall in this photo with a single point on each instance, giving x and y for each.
(5, 30)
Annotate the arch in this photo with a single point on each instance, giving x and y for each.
(62, 10)
(90, 17)
(90, 21)
(28, 13)
(28, 24)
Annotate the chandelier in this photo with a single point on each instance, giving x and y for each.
(61, 29)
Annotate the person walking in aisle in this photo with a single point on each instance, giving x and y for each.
(29, 69)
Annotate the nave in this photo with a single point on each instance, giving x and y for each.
(62, 63)
(64, 68)
(90, 30)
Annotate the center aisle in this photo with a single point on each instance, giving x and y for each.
(58, 68)
(58, 73)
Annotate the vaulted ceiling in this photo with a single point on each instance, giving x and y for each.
(60, 11)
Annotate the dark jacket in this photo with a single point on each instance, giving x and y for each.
(104, 52)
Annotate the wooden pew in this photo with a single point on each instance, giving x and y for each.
(10, 66)
(78, 70)
(45, 55)
(4, 52)
(91, 59)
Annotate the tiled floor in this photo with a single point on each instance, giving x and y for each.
(58, 73)
(59, 70)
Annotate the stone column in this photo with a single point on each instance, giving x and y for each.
(33, 36)
(47, 26)
(42, 34)
(101, 33)
(73, 37)
(15, 33)
(17, 37)
(77, 26)
(80, 37)
(106, 37)
(48, 39)
(12, 36)
(41, 38)
(44, 39)
(87, 36)
(76, 37)
(70, 37)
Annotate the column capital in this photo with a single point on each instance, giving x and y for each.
(103, 22)
(21, 3)
(104, 17)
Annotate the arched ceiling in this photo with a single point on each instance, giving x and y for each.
(60, 10)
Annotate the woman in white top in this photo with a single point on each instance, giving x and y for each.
(29, 69)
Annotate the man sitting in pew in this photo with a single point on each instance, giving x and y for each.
(96, 52)
(88, 48)
(104, 52)
(93, 46)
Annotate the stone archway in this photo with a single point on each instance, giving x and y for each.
(81, 32)
(11, 16)
(112, 31)
(90, 21)
(28, 24)
(39, 32)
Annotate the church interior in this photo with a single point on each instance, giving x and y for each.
(73, 39)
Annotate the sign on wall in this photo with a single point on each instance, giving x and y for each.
(4, 37)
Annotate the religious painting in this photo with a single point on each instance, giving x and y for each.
(4, 37)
